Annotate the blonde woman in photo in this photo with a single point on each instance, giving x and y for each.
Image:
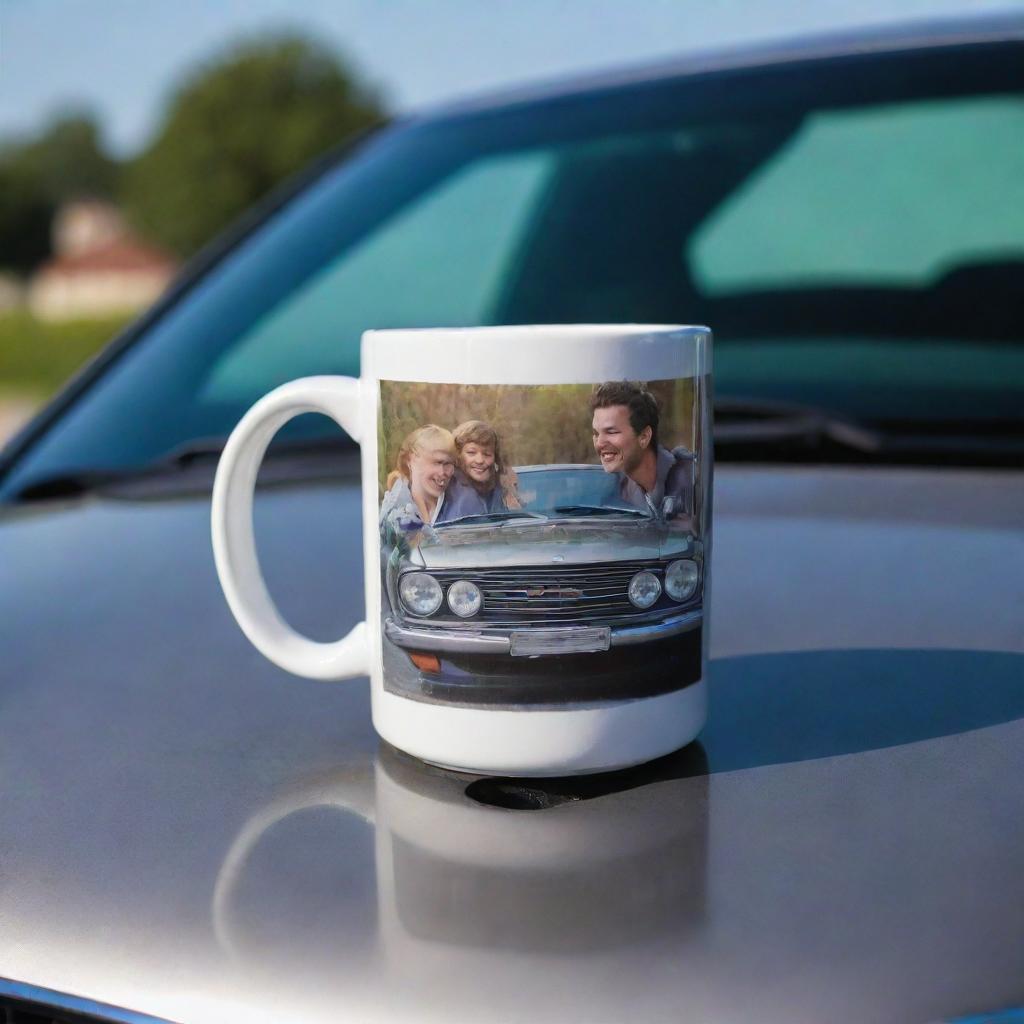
(417, 487)
(483, 482)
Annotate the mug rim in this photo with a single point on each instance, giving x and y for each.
(537, 353)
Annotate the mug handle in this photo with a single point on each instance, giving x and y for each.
(234, 544)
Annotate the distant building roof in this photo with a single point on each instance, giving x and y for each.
(122, 254)
(99, 267)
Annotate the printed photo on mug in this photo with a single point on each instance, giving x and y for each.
(541, 545)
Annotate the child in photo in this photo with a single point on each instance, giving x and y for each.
(483, 482)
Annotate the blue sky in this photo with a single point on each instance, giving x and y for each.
(123, 58)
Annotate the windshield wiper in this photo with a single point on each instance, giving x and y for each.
(742, 421)
(759, 428)
(198, 452)
(493, 517)
(599, 510)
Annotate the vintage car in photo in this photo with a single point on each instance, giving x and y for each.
(574, 572)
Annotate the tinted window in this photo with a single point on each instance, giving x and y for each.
(896, 194)
(441, 260)
(544, 490)
(852, 233)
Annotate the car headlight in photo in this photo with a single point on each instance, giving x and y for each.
(464, 598)
(681, 579)
(421, 593)
(644, 589)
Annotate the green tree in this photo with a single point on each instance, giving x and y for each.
(25, 216)
(235, 129)
(67, 160)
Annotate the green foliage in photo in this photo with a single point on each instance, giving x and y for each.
(537, 425)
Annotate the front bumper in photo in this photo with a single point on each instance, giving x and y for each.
(531, 641)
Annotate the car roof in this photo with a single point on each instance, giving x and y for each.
(931, 33)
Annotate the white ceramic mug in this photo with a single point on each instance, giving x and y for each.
(537, 533)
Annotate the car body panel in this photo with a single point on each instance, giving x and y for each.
(913, 37)
(192, 833)
(579, 542)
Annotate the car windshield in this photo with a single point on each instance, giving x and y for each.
(566, 492)
(854, 237)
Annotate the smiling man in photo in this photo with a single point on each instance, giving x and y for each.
(625, 432)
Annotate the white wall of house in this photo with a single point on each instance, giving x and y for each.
(56, 295)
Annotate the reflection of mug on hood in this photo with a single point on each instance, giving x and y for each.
(459, 881)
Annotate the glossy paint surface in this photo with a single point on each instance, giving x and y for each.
(190, 832)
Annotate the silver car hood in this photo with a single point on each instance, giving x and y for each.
(546, 542)
(189, 832)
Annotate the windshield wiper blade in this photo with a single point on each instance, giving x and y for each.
(741, 421)
(85, 481)
(599, 510)
(754, 427)
(74, 483)
(493, 517)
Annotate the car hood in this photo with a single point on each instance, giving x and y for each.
(190, 832)
(543, 542)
